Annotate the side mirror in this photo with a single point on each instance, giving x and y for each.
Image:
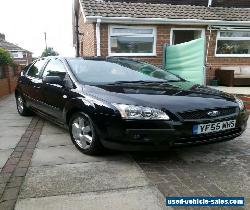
(53, 80)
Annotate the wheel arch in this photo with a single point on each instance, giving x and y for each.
(17, 92)
(77, 105)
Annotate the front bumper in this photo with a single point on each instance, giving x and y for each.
(134, 135)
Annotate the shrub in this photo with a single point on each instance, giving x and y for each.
(5, 57)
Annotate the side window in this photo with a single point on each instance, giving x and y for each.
(54, 68)
(36, 68)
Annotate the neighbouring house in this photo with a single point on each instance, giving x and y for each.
(140, 28)
(21, 56)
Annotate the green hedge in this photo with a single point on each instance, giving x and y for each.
(5, 57)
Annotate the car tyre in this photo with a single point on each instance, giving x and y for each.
(83, 134)
(22, 109)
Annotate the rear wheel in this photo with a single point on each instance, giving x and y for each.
(21, 106)
(84, 135)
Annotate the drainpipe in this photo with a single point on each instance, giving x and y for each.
(210, 3)
(77, 35)
(98, 39)
(208, 46)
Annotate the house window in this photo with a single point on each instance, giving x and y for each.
(233, 44)
(132, 41)
(17, 54)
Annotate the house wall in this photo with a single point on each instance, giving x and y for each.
(214, 62)
(87, 38)
(163, 36)
(27, 59)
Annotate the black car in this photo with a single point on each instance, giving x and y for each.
(126, 104)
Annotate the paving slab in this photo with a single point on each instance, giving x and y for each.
(81, 177)
(54, 140)
(215, 152)
(9, 142)
(50, 128)
(10, 131)
(144, 198)
(15, 123)
(68, 154)
(11, 116)
(220, 169)
(4, 156)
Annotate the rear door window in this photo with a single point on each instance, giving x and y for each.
(36, 68)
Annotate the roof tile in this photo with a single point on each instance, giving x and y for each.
(147, 10)
(9, 46)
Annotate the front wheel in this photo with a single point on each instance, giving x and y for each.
(84, 135)
(21, 106)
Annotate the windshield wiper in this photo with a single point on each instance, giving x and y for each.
(143, 82)
(174, 80)
(130, 82)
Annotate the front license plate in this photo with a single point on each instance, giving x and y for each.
(214, 127)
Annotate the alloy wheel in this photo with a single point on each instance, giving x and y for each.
(82, 132)
(20, 104)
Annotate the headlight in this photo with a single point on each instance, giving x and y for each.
(240, 103)
(140, 112)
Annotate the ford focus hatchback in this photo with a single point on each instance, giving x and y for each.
(125, 104)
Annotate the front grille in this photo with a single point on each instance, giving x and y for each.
(210, 137)
(203, 114)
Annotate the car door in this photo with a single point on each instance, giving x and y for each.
(32, 84)
(55, 95)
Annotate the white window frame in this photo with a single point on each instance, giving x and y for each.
(154, 35)
(218, 37)
(185, 29)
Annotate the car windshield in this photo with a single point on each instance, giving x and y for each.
(117, 70)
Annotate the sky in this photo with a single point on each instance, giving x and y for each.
(24, 23)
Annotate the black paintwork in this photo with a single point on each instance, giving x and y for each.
(57, 102)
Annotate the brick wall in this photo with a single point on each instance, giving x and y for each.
(4, 87)
(87, 39)
(163, 36)
(27, 59)
(8, 82)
